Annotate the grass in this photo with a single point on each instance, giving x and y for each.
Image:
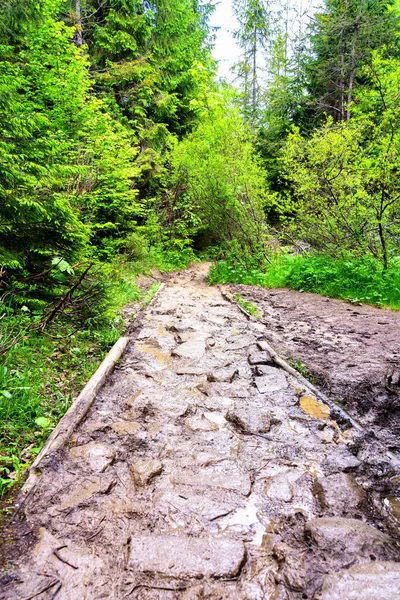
(45, 370)
(355, 279)
(248, 306)
(301, 368)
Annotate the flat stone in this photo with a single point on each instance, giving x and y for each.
(197, 504)
(224, 375)
(86, 489)
(249, 418)
(145, 470)
(98, 456)
(191, 349)
(338, 492)
(371, 581)
(126, 427)
(273, 380)
(237, 341)
(279, 488)
(343, 461)
(200, 423)
(259, 358)
(347, 535)
(229, 479)
(186, 556)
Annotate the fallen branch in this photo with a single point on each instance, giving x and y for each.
(66, 298)
(63, 560)
(77, 411)
(44, 589)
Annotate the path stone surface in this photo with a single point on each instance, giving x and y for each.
(379, 580)
(199, 473)
(184, 556)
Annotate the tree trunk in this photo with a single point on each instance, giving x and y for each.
(79, 33)
(353, 63)
(254, 78)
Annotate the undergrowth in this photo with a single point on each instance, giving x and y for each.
(42, 373)
(358, 280)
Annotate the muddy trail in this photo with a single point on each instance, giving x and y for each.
(352, 351)
(203, 470)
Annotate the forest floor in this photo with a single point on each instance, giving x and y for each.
(203, 470)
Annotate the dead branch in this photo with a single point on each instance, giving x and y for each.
(66, 298)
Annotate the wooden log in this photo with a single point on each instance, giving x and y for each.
(76, 412)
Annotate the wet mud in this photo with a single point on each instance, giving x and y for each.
(352, 351)
(205, 471)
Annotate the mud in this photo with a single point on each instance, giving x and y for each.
(352, 351)
(203, 471)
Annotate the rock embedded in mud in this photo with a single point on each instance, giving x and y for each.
(292, 566)
(224, 375)
(245, 418)
(145, 470)
(259, 358)
(200, 423)
(272, 380)
(190, 370)
(279, 488)
(338, 493)
(348, 537)
(192, 349)
(229, 479)
(98, 456)
(191, 504)
(81, 494)
(238, 341)
(126, 427)
(186, 556)
(371, 581)
(340, 461)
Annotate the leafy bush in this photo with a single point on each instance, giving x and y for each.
(218, 185)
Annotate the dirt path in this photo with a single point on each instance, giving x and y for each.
(352, 351)
(203, 471)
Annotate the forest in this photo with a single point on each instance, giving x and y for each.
(121, 152)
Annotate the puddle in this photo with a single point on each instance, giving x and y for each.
(162, 331)
(314, 408)
(163, 356)
(393, 505)
(216, 418)
(245, 519)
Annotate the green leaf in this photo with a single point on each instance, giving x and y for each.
(43, 422)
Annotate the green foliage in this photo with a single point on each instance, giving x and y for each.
(346, 192)
(344, 34)
(44, 370)
(219, 187)
(353, 279)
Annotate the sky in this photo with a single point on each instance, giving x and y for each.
(226, 50)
